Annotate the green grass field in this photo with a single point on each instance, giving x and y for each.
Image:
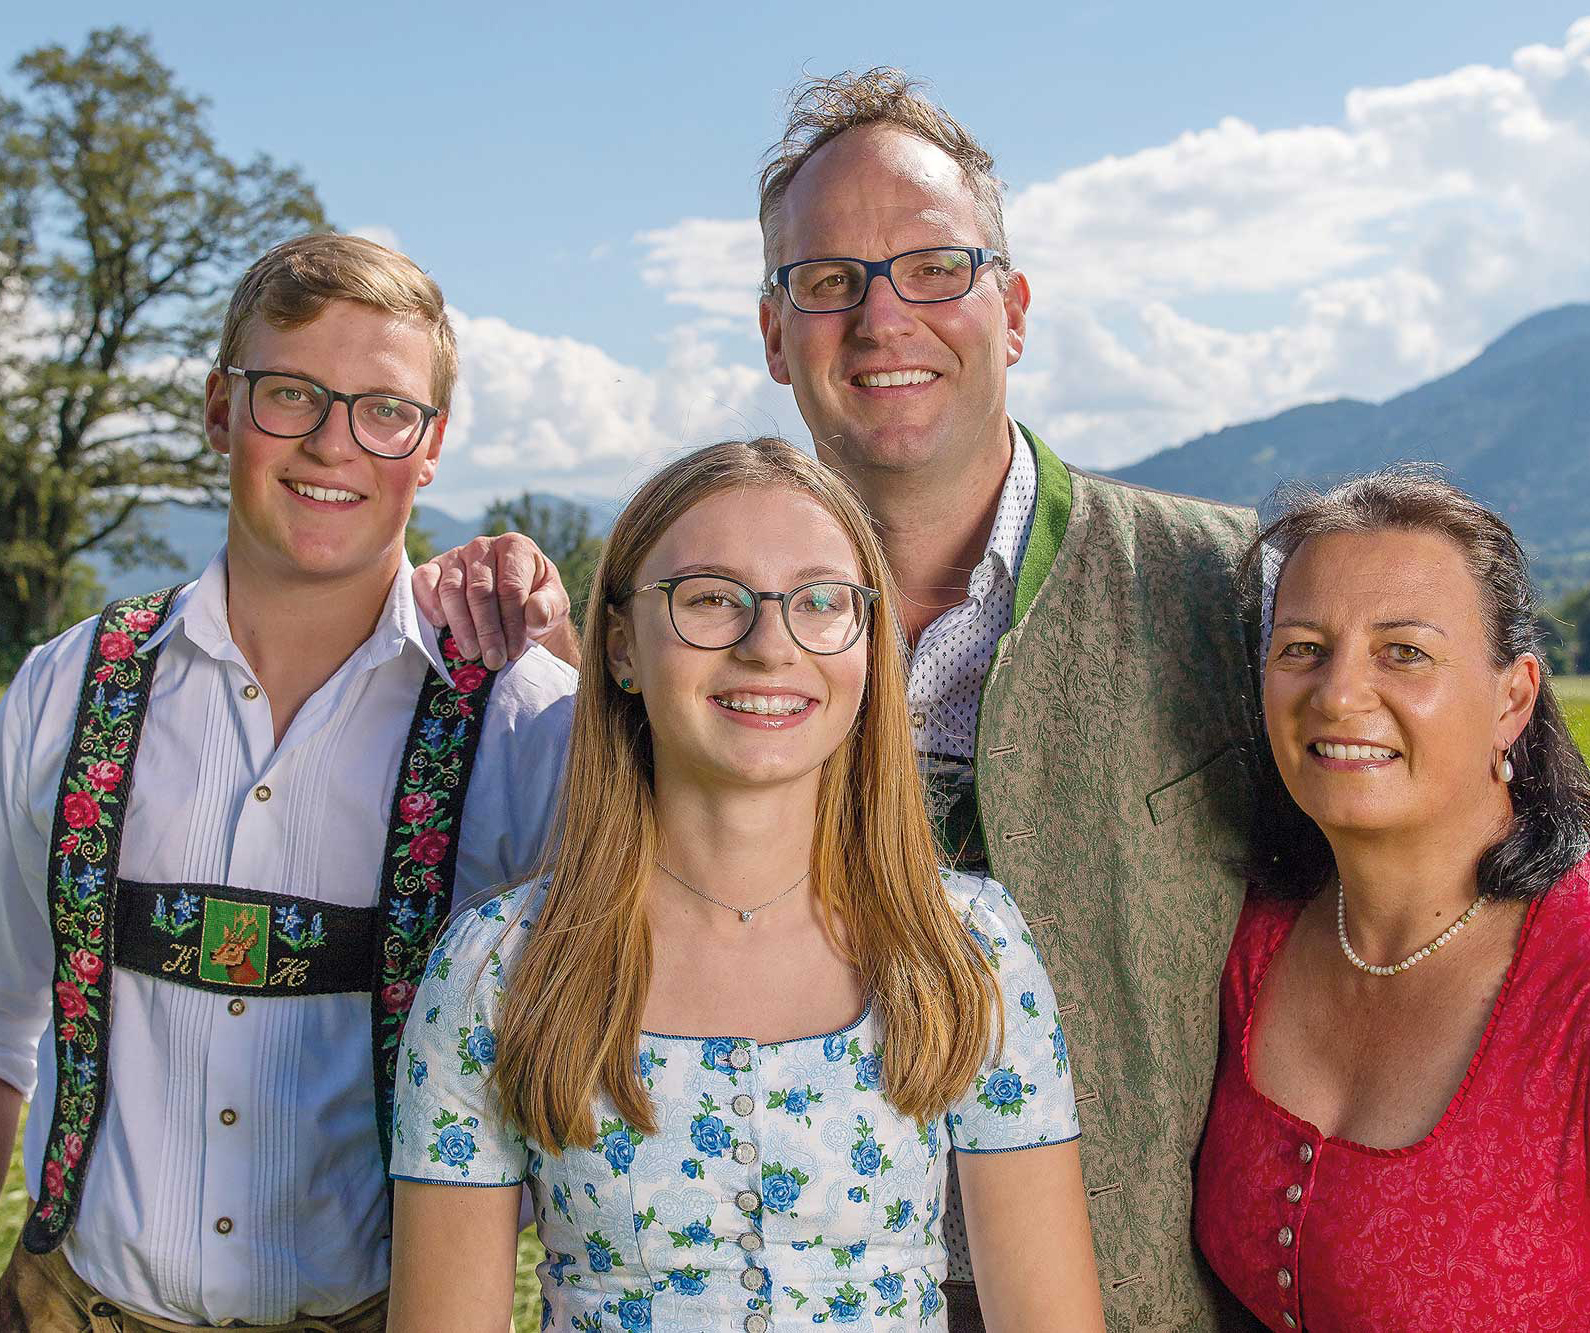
(1573, 691)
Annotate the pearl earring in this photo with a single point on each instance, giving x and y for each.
(1505, 772)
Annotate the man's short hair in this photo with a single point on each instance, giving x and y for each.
(290, 285)
(823, 109)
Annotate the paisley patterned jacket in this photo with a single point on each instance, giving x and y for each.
(1116, 758)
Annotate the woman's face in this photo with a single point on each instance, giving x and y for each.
(1383, 709)
(764, 712)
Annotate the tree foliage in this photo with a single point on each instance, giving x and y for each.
(566, 533)
(122, 231)
(1566, 627)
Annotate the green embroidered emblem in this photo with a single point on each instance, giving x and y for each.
(235, 947)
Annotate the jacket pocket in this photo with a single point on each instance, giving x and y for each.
(1167, 802)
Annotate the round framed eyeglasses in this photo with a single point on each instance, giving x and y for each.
(714, 611)
(292, 406)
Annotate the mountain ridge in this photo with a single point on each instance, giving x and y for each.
(1512, 426)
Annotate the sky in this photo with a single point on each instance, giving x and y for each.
(1224, 209)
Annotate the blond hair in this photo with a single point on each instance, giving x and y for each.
(288, 286)
(823, 109)
(570, 1022)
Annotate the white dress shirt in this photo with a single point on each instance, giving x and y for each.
(297, 1173)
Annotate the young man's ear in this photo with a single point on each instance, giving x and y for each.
(433, 450)
(218, 410)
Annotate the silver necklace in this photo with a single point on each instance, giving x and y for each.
(744, 913)
(1418, 955)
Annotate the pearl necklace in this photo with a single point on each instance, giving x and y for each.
(1418, 955)
(744, 913)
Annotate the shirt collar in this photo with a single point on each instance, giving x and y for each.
(200, 610)
(1012, 519)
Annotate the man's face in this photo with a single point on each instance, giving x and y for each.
(356, 526)
(869, 194)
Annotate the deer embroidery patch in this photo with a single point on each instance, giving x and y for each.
(235, 950)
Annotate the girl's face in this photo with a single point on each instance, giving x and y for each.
(765, 712)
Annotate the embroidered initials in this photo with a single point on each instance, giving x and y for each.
(181, 959)
(290, 972)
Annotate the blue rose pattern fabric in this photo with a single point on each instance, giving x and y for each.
(779, 1181)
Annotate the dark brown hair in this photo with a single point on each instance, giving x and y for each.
(1550, 829)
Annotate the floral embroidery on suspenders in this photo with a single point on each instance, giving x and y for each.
(85, 849)
(232, 947)
(421, 854)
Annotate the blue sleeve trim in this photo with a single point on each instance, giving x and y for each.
(475, 1184)
(1016, 1147)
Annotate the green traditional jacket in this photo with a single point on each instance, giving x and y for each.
(1116, 735)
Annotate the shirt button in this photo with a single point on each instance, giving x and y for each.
(1284, 1235)
(236, 1007)
(1288, 1320)
(740, 1058)
(747, 1201)
(919, 719)
(229, 1116)
(1294, 1193)
(752, 1278)
(251, 691)
(1305, 1154)
(750, 1242)
(745, 1153)
(755, 1323)
(262, 792)
(224, 1225)
(1283, 1278)
(743, 1105)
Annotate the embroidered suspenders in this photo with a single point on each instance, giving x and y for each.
(216, 937)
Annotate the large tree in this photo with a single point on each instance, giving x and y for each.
(122, 230)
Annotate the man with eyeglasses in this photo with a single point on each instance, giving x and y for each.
(1080, 670)
(241, 810)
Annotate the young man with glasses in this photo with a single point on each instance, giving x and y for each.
(1081, 670)
(245, 800)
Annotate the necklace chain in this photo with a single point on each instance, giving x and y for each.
(744, 913)
(1417, 956)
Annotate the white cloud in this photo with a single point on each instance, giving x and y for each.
(533, 412)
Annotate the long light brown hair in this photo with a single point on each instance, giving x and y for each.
(570, 1022)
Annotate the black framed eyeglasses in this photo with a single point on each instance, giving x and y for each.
(292, 406)
(714, 611)
(921, 277)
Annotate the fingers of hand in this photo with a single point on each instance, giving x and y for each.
(426, 599)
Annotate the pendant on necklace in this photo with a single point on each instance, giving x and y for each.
(745, 916)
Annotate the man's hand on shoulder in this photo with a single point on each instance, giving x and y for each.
(498, 595)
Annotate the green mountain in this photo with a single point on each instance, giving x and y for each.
(1512, 426)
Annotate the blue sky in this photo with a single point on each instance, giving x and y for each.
(1225, 209)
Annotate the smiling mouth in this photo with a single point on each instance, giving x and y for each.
(325, 494)
(893, 379)
(1331, 750)
(764, 705)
